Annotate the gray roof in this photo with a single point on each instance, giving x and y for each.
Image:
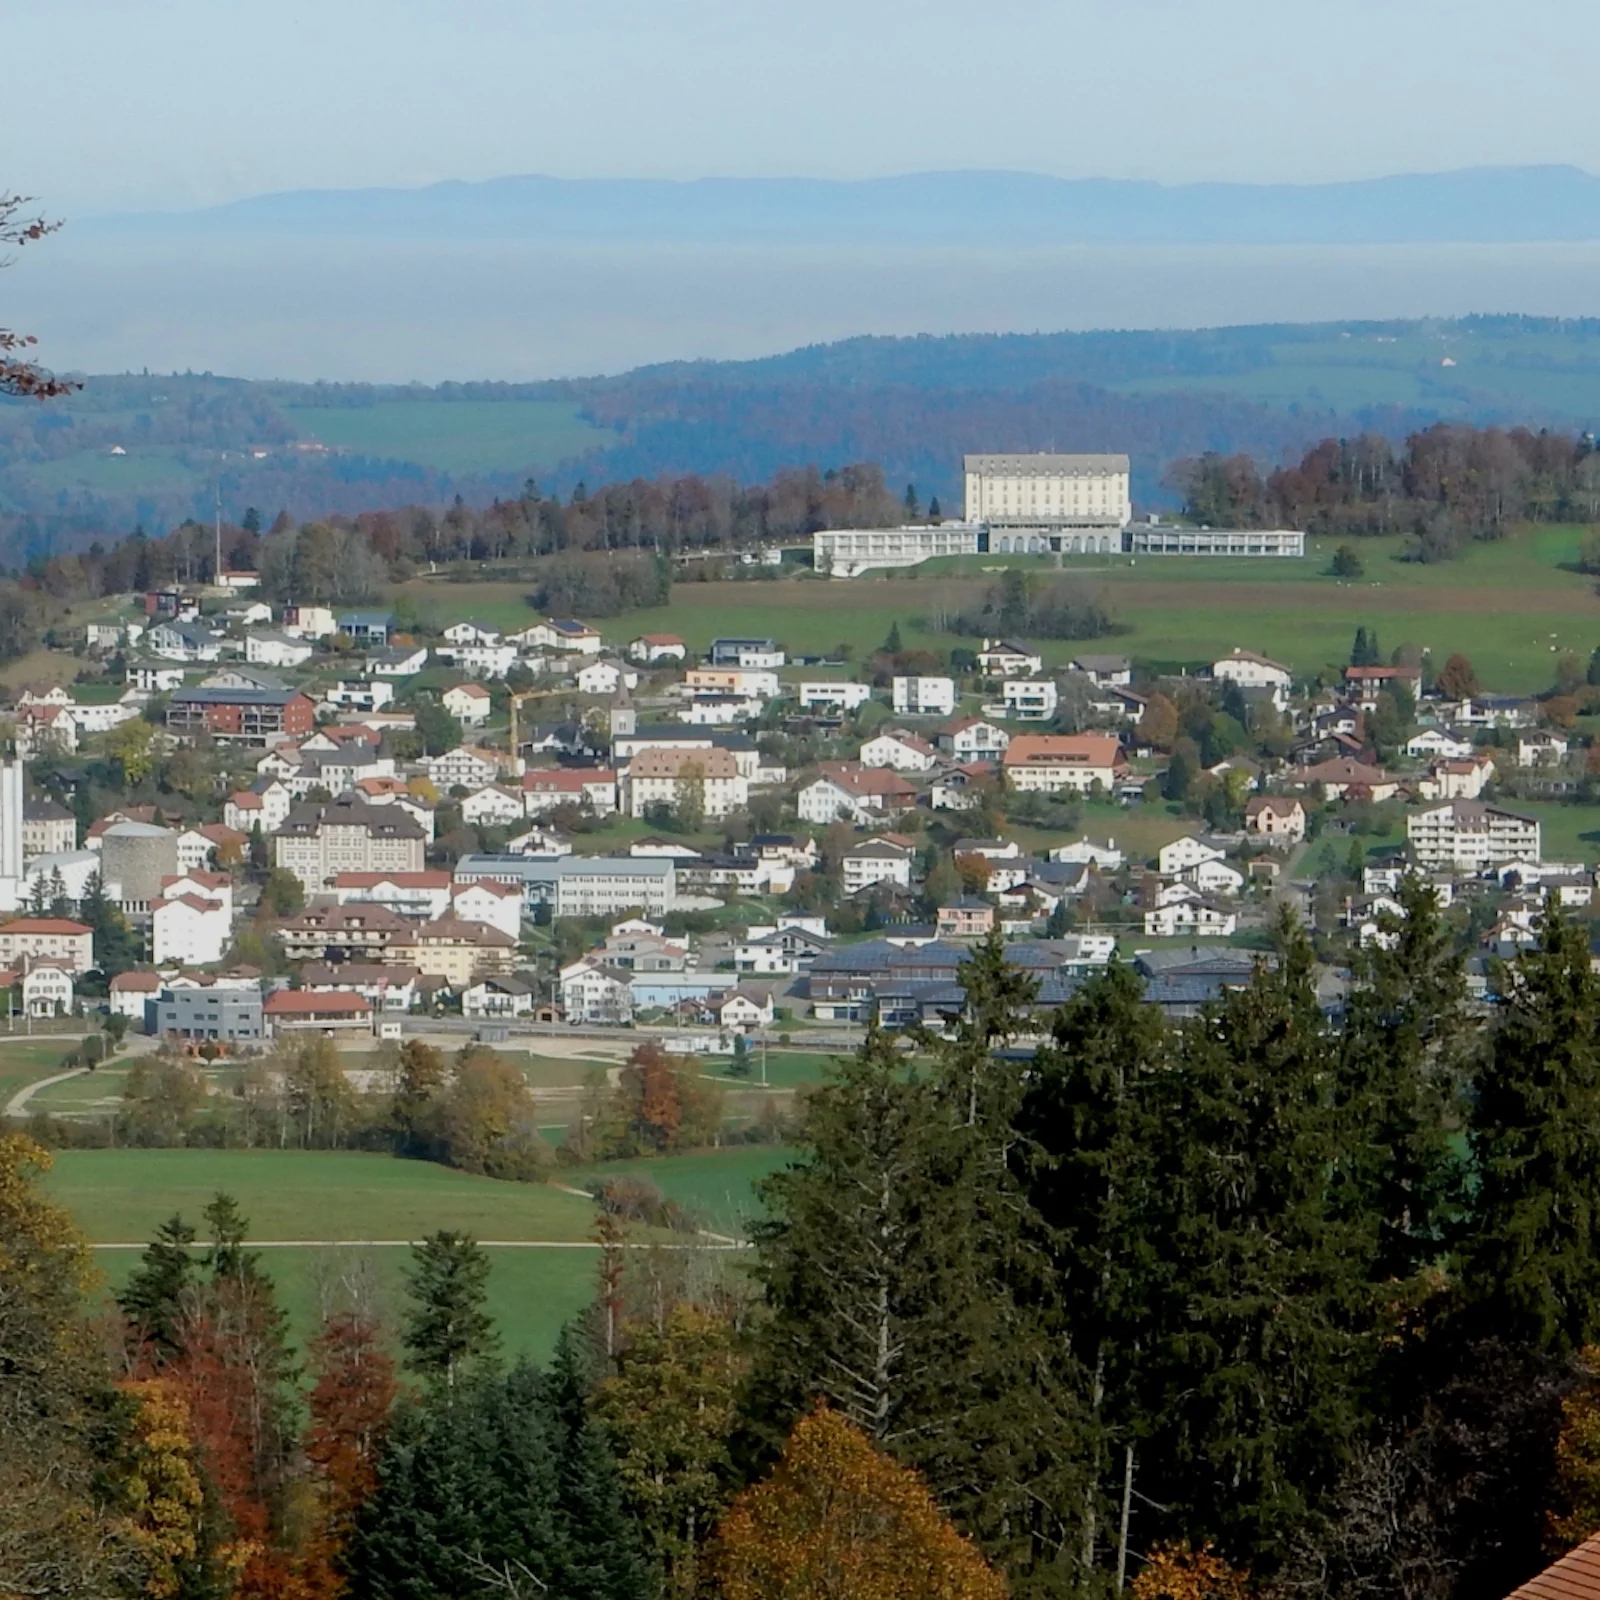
(234, 697)
(1043, 463)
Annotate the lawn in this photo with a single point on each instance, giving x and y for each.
(785, 1069)
(717, 1186)
(24, 1061)
(458, 436)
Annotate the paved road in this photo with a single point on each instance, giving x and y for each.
(17, 1105)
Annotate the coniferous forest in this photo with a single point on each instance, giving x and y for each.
(1296, 1297)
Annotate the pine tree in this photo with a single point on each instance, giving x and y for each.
(447, 1325)
(892, 645)
(1262, 1366)
(153, 1299)
(1532, 1263)
(1359, 650)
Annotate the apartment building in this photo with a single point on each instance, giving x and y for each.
(710, 778)
(923, 697)
(241, 716)
(1467, 836)
(1051, 763)
(319, 841)
(835, 696)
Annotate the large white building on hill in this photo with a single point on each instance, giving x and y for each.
(1050, 495)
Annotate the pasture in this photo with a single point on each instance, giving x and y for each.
(717, 1186)
(1511, 606)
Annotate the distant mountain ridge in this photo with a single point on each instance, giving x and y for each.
(1540, 204)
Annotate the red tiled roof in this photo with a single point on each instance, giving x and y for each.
(43, 925)
(297, 1003)
(1576, 1576)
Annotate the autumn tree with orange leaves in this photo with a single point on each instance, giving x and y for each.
(837, 1520)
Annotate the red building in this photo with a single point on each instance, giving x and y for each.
(241, 716)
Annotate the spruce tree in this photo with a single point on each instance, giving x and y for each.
(892, 645)
(447, 1325)
(153, 1298)
(1257, 1351)
(1531, 1268)
(1401, 1052)
(1086, 1150)
(1358, 650)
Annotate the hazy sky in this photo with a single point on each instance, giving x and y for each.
(132, 104)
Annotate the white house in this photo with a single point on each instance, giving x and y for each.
(468, 703)
(266, 648)
(269, 805)
(463, 767)
(905, 752)
(494, 805)
(1541, 749)
(1105, 672)
(1000, 658)
(1215, 877)
(184, 641)
(1469, 835)
(653, 647)
(481, 660)
(153, 677)
(1252, 671)
(605, 677)
(397, 661)
(497, 997)
(974, 739)
(188, 929)
(486, 900)
(559, 633)
(1435, 744)
(743, 1011)
(129, 991)
(709, 778)
(100, 716)
(46, 988)
(1275, 817)
(1029, 699)
(471, 632)
(594, 993)
(1190, 917)
(312, 622)
(852, 793)
(955, 789)
(360, 694)
(1173, 860)
(836, 696)
(1457, 780)
(875, 861)
(924, 697)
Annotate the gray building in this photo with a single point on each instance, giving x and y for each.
(138, 855)
(581, 886)
(220, 1014)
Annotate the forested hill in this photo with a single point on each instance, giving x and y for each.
(153, 451)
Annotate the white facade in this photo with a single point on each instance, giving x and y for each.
(1054, 493)
(848, 552)
(497, 904)
(493, 806)
(1190, 916)
(463, 767)
(1165, 539)
(1468, 835)
(468, 703)
(605, 677)
(1029, 699)
(1250, 671)
(924, 697)
(838, 696)
(903, 752)
(1182, 855)
(605, 886)
(189, 930)
(277, 650)
(11, 816)
(876, 861)
(481, 660)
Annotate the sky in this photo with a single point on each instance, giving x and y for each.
(125, 105)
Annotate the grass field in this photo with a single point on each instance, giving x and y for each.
(24, 1061)
(460, 436)
(717, 1186)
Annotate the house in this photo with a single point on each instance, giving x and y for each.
(198, 846)
(494, 805)
(44, 730)
(1028, 699)
(1457, 780)
(481, 660)
(836, 695)
(264, 647)
(1276, 817)
(653, 647)
(1190, 917)
(384, 987)
(129, 993)
(367, 627)
(905, 752)
(360, 694)
(594, 789)
(52, 938)
(974, 739)
(1468, 835)
(211, 1012)
(1365, 684)
(1086, 853)
(1541, 749)
(317, 841)
(47, 829)
(1176, 858)
(100, 715)
(884, 860)
(1251, 671)
(329, 931)
(743, 1011)
(605, 677)
(499, 905)
(1435, 744)
(1215, 877)
(306, 1011)
(707, 780)
(1000, 658)
(188, 928)
(468, 703)
(153, 677)
(465, 767)
(846, 790)
(1051, 763)
(923, 697)
(745, 683)
(782, 951)
(423, 895)
(43, 986)
(592, 992)
(967, 918)
(960, 788)
(759, 653)
(1344, 778)
(1105, 672)
(183, 641)
(309, 622)
(471, 632)
(497, 996)
(397, 661)
(560, 633)
(257, 717)
(1576, 1576)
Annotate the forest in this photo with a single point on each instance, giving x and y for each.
(1274, 1301)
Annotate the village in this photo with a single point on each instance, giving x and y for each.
(565, 826)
